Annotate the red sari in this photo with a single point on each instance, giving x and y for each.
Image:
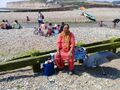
(65, 43)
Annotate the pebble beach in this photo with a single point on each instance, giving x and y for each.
(14, 42)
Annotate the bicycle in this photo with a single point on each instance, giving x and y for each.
(38, 31)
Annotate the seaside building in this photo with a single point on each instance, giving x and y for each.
(35, 4)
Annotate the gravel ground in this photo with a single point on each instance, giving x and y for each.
(13, 42)
(83, 79)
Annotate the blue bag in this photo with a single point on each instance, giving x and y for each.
(80, 53)
(48, 67)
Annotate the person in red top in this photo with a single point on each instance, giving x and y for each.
(65, 49)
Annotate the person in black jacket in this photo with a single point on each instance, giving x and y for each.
(61, 27)
(115, 21)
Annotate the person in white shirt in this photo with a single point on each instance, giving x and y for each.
(40, 18)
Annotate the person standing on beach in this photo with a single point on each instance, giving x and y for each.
(28, 19)
(115, 21)
(65, 49)
(40, 18)
(61, 27)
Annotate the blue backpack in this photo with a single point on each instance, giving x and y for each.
(80, 53)
(48, 67)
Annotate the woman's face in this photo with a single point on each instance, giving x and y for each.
(66, 29)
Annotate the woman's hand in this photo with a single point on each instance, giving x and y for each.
(70, 54)
(58, 51)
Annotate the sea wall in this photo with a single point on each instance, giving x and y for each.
(28, 4)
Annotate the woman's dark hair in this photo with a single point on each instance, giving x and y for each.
(50, 24)
(67, 25)
(62, 23)
(16, 21)
(3, 20)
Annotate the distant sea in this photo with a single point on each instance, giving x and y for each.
(3, 10)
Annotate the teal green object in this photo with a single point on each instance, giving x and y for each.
(17, 26)
(89, 16)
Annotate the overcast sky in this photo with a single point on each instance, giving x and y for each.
(3, 2)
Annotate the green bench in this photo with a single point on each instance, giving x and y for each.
(24, 61)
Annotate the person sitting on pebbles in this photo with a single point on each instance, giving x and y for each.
(65, 49)
(101, 24)
(55, 30)
(16, 25)
(8, 25)
(50, 29)
(2, 25)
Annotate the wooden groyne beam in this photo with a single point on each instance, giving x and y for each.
(35, 61)
(20, 63)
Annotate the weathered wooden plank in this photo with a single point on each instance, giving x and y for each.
(108, 46)
(85, 45)
(100, 42)
(26, 56)
(34, 61)
(20, 63)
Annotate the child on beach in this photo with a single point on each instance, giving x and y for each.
(43, 29)
(55, 28)
(50, 28)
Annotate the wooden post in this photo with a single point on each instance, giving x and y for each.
(36, 68)
(114, 50)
